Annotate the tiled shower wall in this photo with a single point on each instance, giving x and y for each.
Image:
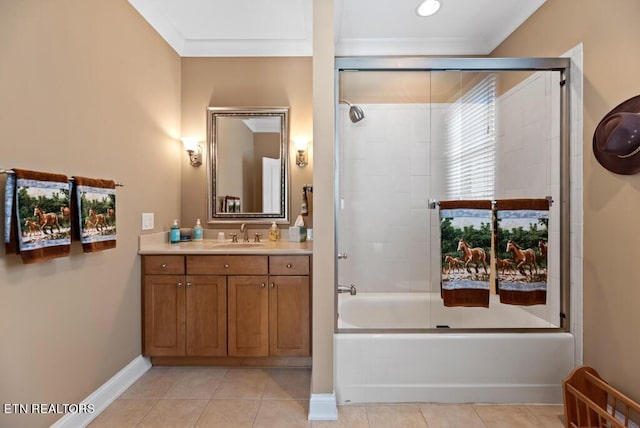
(384, 186)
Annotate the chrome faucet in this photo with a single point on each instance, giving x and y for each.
(351, 289)
(244, 229)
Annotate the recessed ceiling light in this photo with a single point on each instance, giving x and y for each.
(428, 7)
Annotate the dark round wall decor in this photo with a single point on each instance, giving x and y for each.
(616, 140)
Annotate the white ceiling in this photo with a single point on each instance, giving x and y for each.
(362, 27)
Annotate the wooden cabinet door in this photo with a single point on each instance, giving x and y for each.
(248, 317)
(289, 322)
(206, 315)
(164, 317)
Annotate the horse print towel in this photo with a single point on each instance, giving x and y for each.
(465, 242)
(94, 207)
(521, 247)
(35, 206)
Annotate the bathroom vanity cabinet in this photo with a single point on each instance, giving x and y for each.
(269, 314)
(244, 309)
(183, 314)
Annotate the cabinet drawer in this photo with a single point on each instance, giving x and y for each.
(289, 265)
(163, 265)
(227, 265)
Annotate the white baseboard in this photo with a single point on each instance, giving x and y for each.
(322, 407)
(106, 394)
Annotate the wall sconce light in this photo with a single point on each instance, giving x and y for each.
(193, 148)
(301, 147)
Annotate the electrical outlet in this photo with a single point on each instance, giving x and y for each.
(147, 221)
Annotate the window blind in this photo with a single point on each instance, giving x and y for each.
(471, 143)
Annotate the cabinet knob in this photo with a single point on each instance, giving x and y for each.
(188, 284)
(179, 285)
(262, 285)
(289, 265)
(163, 265)
(226, 266)
(273, 285)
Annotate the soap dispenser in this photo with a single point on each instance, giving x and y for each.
(198, 231)
(174, 236)
(274, 232)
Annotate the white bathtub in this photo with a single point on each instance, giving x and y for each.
(443, 367)
(426, 310)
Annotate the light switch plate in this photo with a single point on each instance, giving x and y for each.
(147, 221)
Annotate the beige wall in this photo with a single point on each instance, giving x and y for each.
(88, 88)
(610, 35)
(323, 194)
(244, 82)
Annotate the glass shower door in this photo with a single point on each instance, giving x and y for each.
(409, 139)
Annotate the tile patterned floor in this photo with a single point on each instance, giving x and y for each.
(279, 398)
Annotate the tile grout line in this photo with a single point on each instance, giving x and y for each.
(164, 397)
(226, 370)
(158, 400)
(541, 423)
(148, 411)
(201, 413)
(424, 417)
(255, 418)
(473, 406)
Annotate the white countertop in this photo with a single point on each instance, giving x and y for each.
(157, 243)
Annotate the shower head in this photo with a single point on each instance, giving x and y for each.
(355, 113)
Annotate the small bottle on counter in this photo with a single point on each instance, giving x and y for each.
(274, 232)
(198, 231)
(174, 235)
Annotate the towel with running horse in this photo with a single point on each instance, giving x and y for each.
(465, 244)
(35, 203)
(94, 213)
(521, 247)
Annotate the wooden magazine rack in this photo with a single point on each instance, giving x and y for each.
(589, 401)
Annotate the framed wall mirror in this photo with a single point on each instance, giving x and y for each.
(248, 173)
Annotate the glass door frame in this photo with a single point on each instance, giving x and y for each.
(561, 65)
